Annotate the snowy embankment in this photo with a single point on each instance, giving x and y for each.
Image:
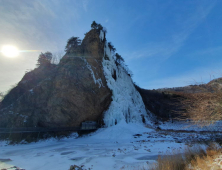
(189, 126)
(123, 146)
(126, 146)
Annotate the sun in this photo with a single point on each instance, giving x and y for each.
(10, 51)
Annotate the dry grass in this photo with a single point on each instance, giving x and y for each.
(170, 162)
(203, 108)
(195, 158)
(209, 161)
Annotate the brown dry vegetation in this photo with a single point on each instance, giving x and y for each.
(200, 103)
(192, 159)
(203, 107)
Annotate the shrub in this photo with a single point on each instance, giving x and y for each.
(119, 59)
(195, 158)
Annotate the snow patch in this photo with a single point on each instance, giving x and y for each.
(186, 125)
(121, 132)
(101, 35)
(96, 81)
(25, 118)
(31, 91)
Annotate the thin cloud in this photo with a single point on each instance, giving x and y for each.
(31, 22)
(154, 50)
(85, 5)
(209, 51)
(43, 25)
(24, 20)
(166, 49)
(198, 76)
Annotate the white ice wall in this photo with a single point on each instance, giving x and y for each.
(127, 104)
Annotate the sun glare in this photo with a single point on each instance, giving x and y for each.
(10, 51)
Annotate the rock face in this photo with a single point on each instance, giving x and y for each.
(168, 103)
(164, 105)
(66, 94)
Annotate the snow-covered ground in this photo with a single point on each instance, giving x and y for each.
(123, 146)
(190, 126)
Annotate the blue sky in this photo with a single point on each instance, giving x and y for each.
(166, 43)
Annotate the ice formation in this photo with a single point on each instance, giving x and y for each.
(127, 103)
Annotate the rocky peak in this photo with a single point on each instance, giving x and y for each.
(88, 84)
(72, 92)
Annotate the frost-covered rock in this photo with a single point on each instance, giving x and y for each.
(127, 103)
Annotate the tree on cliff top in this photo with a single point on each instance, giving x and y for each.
(94, 25)
(44, 59)
(72, 44)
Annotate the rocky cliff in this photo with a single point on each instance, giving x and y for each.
(87, 85)
(66, 94)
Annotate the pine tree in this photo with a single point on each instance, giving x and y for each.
(111, 47)
(44, 59)
(94, 25)
(72, 44)
(99, 27)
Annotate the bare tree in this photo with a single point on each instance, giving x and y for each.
(56, 57)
